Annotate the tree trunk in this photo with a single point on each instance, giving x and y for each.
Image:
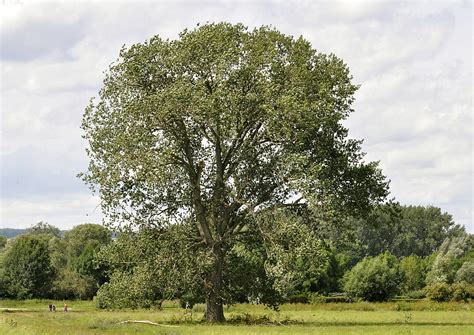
(214, 303)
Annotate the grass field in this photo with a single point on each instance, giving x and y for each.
(33, 317)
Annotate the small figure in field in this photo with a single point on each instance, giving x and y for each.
(50, 307)
(54, 308)
(188, 313)
(65, 307)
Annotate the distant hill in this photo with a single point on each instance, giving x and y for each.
(14, 232)
(11, 232)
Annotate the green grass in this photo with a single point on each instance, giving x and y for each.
(422, 317)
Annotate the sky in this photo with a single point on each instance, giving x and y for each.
(412, 60)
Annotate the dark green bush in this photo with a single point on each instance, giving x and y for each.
(373, 278)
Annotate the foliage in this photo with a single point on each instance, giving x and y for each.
(295, 256)
(27, 268)
(157, 256)
(413, 273)
(401, 230)
(3, 242)
(373, 278)
(417, 294)
(219, 125)
(463, 291)
(44, 228)
(129, 290)
(439, 291)
(450, 258)
(188, 300)
(299, 298)
(330, 280)
(83, 242)
(244, 275)
(69, 284)
(465, 273)
(44, 264)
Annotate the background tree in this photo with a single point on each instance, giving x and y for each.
(74, 258)
(44, 228)
(413, 271)
(466, 272)
(221, 124)
(27, 267)
(451, 256)
(83, 243)
(400, 230)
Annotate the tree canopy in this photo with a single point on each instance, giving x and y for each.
(220, 125)
(44, 228)
(401, 230)
(27, 267)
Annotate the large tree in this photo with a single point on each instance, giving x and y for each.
(219, 125)
(27, 267)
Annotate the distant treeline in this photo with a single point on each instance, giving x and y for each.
(396, 250)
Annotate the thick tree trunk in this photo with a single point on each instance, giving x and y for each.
(214, 303)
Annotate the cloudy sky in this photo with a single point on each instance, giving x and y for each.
(413, 60)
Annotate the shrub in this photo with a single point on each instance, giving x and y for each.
(71, 285)
(128, 290)
(373, 278)
(417, 294)
(462, 291)
(439, 291)
(316, 298)
(300, 298)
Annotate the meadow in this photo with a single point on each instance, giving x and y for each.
(420, 317)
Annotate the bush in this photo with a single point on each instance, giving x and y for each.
(128, 290)
(417, 294)
(439, 291)
(373, 278)
(71, 285)
(462, 291)
(301, 298)
(316, 298)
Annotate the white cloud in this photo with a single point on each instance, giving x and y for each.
(414, 108)
(65, 211)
